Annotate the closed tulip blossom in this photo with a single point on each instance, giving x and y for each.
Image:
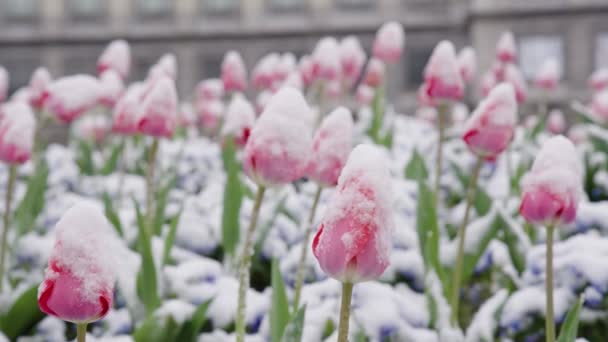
(305, 67)
(548, 75)
(168, 64)
(294, 80)
(158, 110)
(352, 58)
(505, 48)
(467, 64)
(40, 80)
(234, 72)
(375, 73)
(364, 95)
(326, 59)
(514, 76)
(389, 42)
(112, 88)
(262, 75)
(599, 105)
(285, 66)
(240, 117)
(599, 79)
(92, 128)
(423, 98)
(117, 57)
(442, 75)
(487, 83)
(4, 82)
(210, 115)
(332, 90)
(490, 129)
(69, 97)
(78, 286)
(556, 123)
(126, 111)
(210, 89)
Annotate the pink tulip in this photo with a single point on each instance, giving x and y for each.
(552, 188)
(278, 148)
(186, 116)
(599, 105)
(262, 100)
(331, 147)
(22, 94)
(423, 98)
(168, 64)
(353, 242)
(4, 83)
(158, 116)
(93, 128)
(333, 89)
(488, 82)
(389, 41)
(326, 59)
(117, 57)
(352, 59)
(599, 79)
(210, 114)
(556, 122)
(548, 75)
(40, 80)
(498, 70)
(262, 75)
(17, 126)
(441, 74)
(505, 48)
(514, 76)
(285, 66)
(489, 130)
(467, 64)
(69, 97)
(577, 134)
(364, 95)
(305, 67)
(294, 80)
(112, 88)
(234, 72)
(375, 73)
(240, 117)
(126, 111)
(79, 283)
(210, 89)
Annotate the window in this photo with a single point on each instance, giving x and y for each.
(86, 8)
(534, 50)
(221, 6)
(154, 8)
(21, 9)
(354, 4)
(212, 66)
(287, 5)
(414, 68)
(601, 50)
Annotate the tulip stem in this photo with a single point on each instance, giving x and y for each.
(81, 332)
(549, 320)
(442, 110)
(304, 253)
(122, 166)
(12, 175)
(509, 171)
(347, 293)
(457, 275)
(245, 264)
(150, 187)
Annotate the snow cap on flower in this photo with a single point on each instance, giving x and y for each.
(306, 70)
(599, 105)
(389, 42)
(599, 79)
(69, 97)
(39, 81)
(117, 57)
(210, 114)
(210, 89)
(353, 242)
(285, 66)
(4, 82)
(168, 64)
(21, 95)
(578, 134)
(375, 73)
(513, 75)
(279, 146)
(552, 188)
(487, 83)
(262, 75)
(92, 128)
(158, 110)
(326, 59)
(490, 129)
(234, 72)
(364, 95)
(17, 127)
(467, 64)
(294, 80)
(556, 122)
(548, 75)
(112, 88)
(79, 282)
(505, 48)
(331, 146)
(240, 117)
(352, 58)
(441, 74)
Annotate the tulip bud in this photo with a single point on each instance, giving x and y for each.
(240, 117)
(352, 58)
(69, 97)
(364, 95)
(326, 59)
(548, 75)
(117, 57)
(210, 89)
(577, 134)
(112, 88)
(158, 116)
(78, 285)
(210, 115)
(599, 79)
(262, 75)
(168, 64)
(306, 70)
(505, 48)
(125, 116)
(467, 64)
(490, 129)
(514, 76)
(285, 66)
(375, 74)
(93, 128)
(278, 148)
(294, 80)
(423, 98)
(4, 80)
(21, 95)
(552, 188)
(39, 81)
(599, 105)
(331, 147)
(17, 126)
(353, 242)
(488, 82)
(389, 41)
(441, 74)
(556, 122)
(185, 115)
(234, 72)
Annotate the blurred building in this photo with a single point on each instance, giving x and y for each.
(68, 35)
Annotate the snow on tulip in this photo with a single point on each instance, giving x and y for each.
(556, 123)
(117, 57)
(240, 118)
(112, 88)
(234, 72)
(158, 111)
(39, 81)
(69, 97)
(506, 51)
(548, 75)
(326, 59)
(262, 75)
(389, 42)
(467, 64)
(441, 74)
(352, 58)
(375, 73)
(17, 126)
(599, 79)
(513, 75)
(126, 111)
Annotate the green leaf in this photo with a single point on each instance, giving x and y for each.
(539, 127)
(583, 114)
(569, 329)
(111, 214)
(169, 240)
(23, 315)
(34, 199)
(471, 260)
(156, 330)
(233, 197)
(428, 230)
(279, 312)
(161, 203)
(482, 202)
(416, 168)
(513, 243)
(377, 114)
(84, 158)
(146, 278)
(110, 165)
(295, 327)
(191, 328)
(387, 139)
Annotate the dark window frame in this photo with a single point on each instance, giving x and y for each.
(30, 19)
(99, 17)
(302, 7)
(360, 5)
(165, 14)
(232, 12)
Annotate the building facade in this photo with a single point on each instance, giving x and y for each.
(67, 36)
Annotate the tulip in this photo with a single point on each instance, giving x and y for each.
(550, 196)
(375, 73)
(294, 80)
(234, 72)
(577, 134)
(17, 126)
(513, 75)
(168, 64)
(79, 282)
(117, 57)
(125, 117)
(498, 69)
(352, 59)
(285, 66)
(262, 100)
(39, 82)
(112, 88)
(423, 98)
(488, 82)
(505, 48)
(210, 115)
(93, 128)
(262, 75)
(332, 90)
(306, 70)
(4, 82)
(548, 75)
(364, 95)
(599, 104)
(326, 59)
(353, 242)
(556, 122)
(442, 75)
(599, 79)
(276, 153)
(186, 116)
(389, 42)
(240, 117)
(69, 97)
(21, 95)
(210, 89)
(467, 64)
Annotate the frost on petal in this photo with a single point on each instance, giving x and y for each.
(117, 57)
(505, 48)
(69, 97)
(17, 128)
(234, 72)
(240, 117)
(389, 42)
(442, 75)
(158, 111)
(326, 59)
(548, 75)
(39, 81)
(467, 63)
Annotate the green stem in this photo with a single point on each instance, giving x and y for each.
(122, 166)
(245, 264)
(347, 293)
(509, 170)
(150, 186)
(549, 320)
(81, 332)
(304, 253)
(442, 110)
(457, 275)
(12, 175)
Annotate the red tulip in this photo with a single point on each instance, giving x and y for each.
(505, 48)
(210, 89)
(489, 130)
(441, 74)
(40, 80)
(364, 95)
(262, 75)
(234, 73)
(69, 97)
(94, 128)
(285, 66)
(168, 64)
(79, 282)
(552, 188)
(240, 117)
(548, 75)
(353, 241)
(210, 114)
(306, 70)
(126, 111)
(117, 57)
(17, 126)
(158, 116)
(389, 41)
